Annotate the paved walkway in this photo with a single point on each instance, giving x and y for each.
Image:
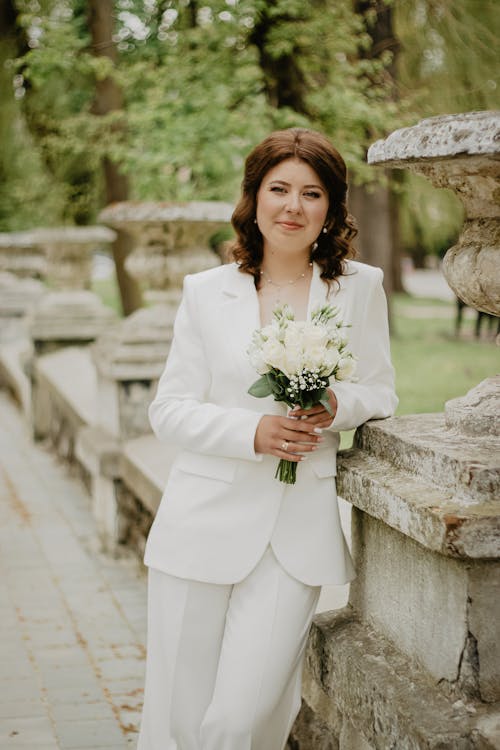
(72, 621)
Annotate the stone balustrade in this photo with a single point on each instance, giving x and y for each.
(413, 661)
(169, 241)
(21, 255)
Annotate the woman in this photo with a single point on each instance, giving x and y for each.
(237, 558)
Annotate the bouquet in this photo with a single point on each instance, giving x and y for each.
(297, 360)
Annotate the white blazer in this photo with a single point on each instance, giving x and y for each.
(222, 505)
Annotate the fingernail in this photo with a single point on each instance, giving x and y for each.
(304, 458)
(319, 430)
(295, 418)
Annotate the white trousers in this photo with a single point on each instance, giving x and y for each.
(224, 662)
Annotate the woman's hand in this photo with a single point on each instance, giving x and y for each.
(286, 437)
(318, 415)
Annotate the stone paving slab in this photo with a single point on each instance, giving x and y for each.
(72, 620)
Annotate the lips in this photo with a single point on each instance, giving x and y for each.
(290, 225)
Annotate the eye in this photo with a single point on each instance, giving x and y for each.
(277, 189)
(312, 194)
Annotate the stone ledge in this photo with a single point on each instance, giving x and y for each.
(418, 509)
(354, 671)
(71, 379)
(422, 445)
(98, 452)
(145, 465)
(445, 136)
(12, 375)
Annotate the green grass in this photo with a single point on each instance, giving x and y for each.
(107, 290)
(431, 365)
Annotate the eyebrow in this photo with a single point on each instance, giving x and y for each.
(287, 184)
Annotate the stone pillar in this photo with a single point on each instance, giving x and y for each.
(21, 255)
(170, 240)
(22, 264)
(414, 660)
(69, 314)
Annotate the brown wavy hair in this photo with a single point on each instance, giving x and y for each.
(334, 246)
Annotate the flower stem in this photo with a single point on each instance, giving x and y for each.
(286, 471)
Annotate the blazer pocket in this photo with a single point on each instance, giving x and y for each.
(324, 464)
(213, 467)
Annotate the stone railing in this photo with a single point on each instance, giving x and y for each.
(413, 661)
(123, 464)
(36, 318)
(91, 377)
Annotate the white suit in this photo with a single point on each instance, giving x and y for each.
(222, 505)
(237, 557)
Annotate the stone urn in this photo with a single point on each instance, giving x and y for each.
(70, 313)
(169, 241)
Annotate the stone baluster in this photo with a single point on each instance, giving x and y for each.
(69, 315)
(170, 240)
(21, 255)
(414, 660)
(22, 264)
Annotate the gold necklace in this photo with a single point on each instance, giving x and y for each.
(289, 282)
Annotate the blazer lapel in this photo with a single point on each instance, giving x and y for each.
(239, 317)
(320, 294)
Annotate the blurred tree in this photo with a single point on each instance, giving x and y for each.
(448, 63)
(109, 99)
(375, 205)
(203, 82)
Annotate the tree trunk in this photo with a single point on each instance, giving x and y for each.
(284, 82)
(377, 209)
(107, 99)
(371, 207)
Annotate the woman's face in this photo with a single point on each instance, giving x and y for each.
(292, 205)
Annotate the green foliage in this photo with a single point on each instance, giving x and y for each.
(450, 54)
(430, 218)
(200, 83)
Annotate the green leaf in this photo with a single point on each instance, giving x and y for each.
(326, 403)
(261, 388)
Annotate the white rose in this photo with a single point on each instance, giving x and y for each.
(274, 354)
(256, 359)
(331, 359)
(293, 335)
(314, 336)
(269, 332)
(314, 357)
(346, 368)
(293, 363)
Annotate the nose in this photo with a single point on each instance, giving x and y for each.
(293, 203)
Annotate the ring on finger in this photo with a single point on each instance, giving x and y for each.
(284, 446)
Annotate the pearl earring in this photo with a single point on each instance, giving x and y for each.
(325, 230)
(255, 221)
(315, 246)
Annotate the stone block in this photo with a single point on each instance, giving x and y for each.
(373, 694)
(399, 584)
